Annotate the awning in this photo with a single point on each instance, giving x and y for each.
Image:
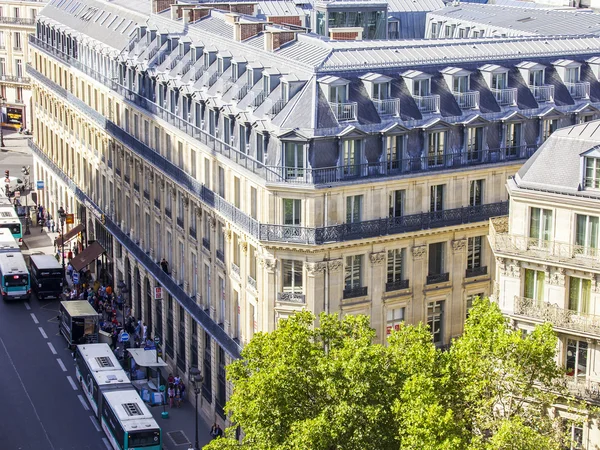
(87, 256)
(70, 234)
(146, 358)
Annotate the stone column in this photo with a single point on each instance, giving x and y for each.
(315, 286)
(419, 274)
(376, 286)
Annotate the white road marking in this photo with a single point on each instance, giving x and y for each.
(61, 364)
(27, 305)
(52, 349)
(108, 446)
(84, 404)
(27, 394)
(43, 332)
(95, 422)
(71, 382)
(35, 320)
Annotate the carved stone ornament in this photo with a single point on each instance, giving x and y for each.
(316, 267)
(419, 251)
(335, 265)
(244, 246)
(173, 192)
(186, 201)
(161, 181)
(510, 268)
(596, 284)
(198, 211)
(212, 222)
(557, 277)
(150, 175)
(228, 234)
(459, 245)
(377, 258)
(268, 263)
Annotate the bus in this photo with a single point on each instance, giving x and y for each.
(7, 242)
(9, 219)
(46, 275)
(14, 277)
(98, 370)
(127, 422)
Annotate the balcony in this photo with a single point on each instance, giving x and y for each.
(355, 292)
(505, 97)
(157, 203)
(428, 103)
(206, 243)
(560, 318)
(553, 252)
(14, 79)
(291, 297)
(476, 272)
(579, 90)
(168, 213)
(180, 222)
(17, 21)
(583, 388)
(259, 98)
(220, 255)
(543, 93)
(387, 107)
(438, 278)
(344, 112)
(278, 106)
(396, 285)
(467, 100)
(235, 269)
(146, 195)
(252, 283)
(192, 233)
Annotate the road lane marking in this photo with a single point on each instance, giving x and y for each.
(35, 320)
(82, 400)
(61, 364)
(95, 422)
(27, 394)
(43, 332)
(108, 446)
(52, 349)
(73, 385)
(27, 305)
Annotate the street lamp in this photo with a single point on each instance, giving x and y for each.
(62, 214)
(197, 379)
(25, 171)
(2, 103)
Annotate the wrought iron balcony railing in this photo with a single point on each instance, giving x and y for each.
(192, 233)
(503, 243)
(387, 106)
(220, 255)
(15, 79)
(579, 90)
(583, 388)
(17, 21)
(235, 269)
(355, 292)
(206, 243)
(505, 97)
(544, 93)
(476, 272)
(561, 318)
(396, 285)
(252, 282)
(344, 112)
(428, 103)
(290, 297)
(438, 278)
(467, 100)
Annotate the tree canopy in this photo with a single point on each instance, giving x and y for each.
(327, 386)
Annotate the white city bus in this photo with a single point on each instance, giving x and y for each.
(8, 243)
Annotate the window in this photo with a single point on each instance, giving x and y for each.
(395, 316)
(436, 258)
(243, 139)
(291, 211)
(592, 172)
(220, 241)
(586, 234)
(260, 147)
(536, 77)
(460, 84)
(499, 80)
(236, 192)
(534, 284)
(252, 263)
(421, 88)
(540, 225)
(572, 75)
(575, 432)
(380, 91)
(394, 152)
(396, 203)
(577, 355)
(19, 67)
(435, 320)
(168, 147)
(285, 91)
(292, 276)
(513, 139)
(474, 253)
(549, 126)
(469, 302)
(354, 208)
(253, 203)
(227, 131)
(351, 157)
(2, 66)
(338, 94)
(180, 155)
(476, 193)
(221, 181)
(395, 269)
(474, 143)
(435, 148)
(17, 41)
(2, 39)
(353, 272)
(579, 295)
(293, 160)
(436, 199)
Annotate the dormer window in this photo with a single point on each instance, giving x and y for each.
(380, 91)
(536, 77)
(422, 87)
(336, 91)
(285, 92)
(499, 80)
(419, 84)
(592, 173)
(460, 84)
(534, 74)
(338, 94)
(572, 74)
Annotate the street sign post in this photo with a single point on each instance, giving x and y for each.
(40, 184)
(149, 347)
(124, 337)
(75, 277)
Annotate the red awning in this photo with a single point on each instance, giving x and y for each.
(70, 234)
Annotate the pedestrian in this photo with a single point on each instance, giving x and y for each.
(164, 266)
(219, 431)
(171, 393)
(181, 391)
(178, 396)
(42, 223)
(170, 379)
(213, 431)
(52, 224)
(145, 331)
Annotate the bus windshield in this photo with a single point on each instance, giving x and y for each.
(143, 438)
(16, 280)
(15, 228)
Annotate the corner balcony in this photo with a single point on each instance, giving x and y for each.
(428, 103)
(583, 388)
(467, 100)
(579, 90)
(344, 112)
(291, 297)
(543, 93)
(553, 252)
(562, 319)
(387, 107)
(505, 97)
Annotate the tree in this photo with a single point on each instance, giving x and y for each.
(329, 387)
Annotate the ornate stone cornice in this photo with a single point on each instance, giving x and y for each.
(557, 277)
(377, 258)
(314, 268)
(335, 265)
(459, 245)
(268, 263)
(419, 251)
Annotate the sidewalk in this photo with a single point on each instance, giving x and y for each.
(179, 430)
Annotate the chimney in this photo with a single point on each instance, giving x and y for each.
(245, 30)
(161, 5)
(346, 34)
(275, 38)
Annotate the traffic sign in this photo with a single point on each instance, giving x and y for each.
(40, 184)
(156, 340)
(149, 347)
(75, 277)
(124, 336)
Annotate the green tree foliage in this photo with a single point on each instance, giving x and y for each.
(328, 387)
